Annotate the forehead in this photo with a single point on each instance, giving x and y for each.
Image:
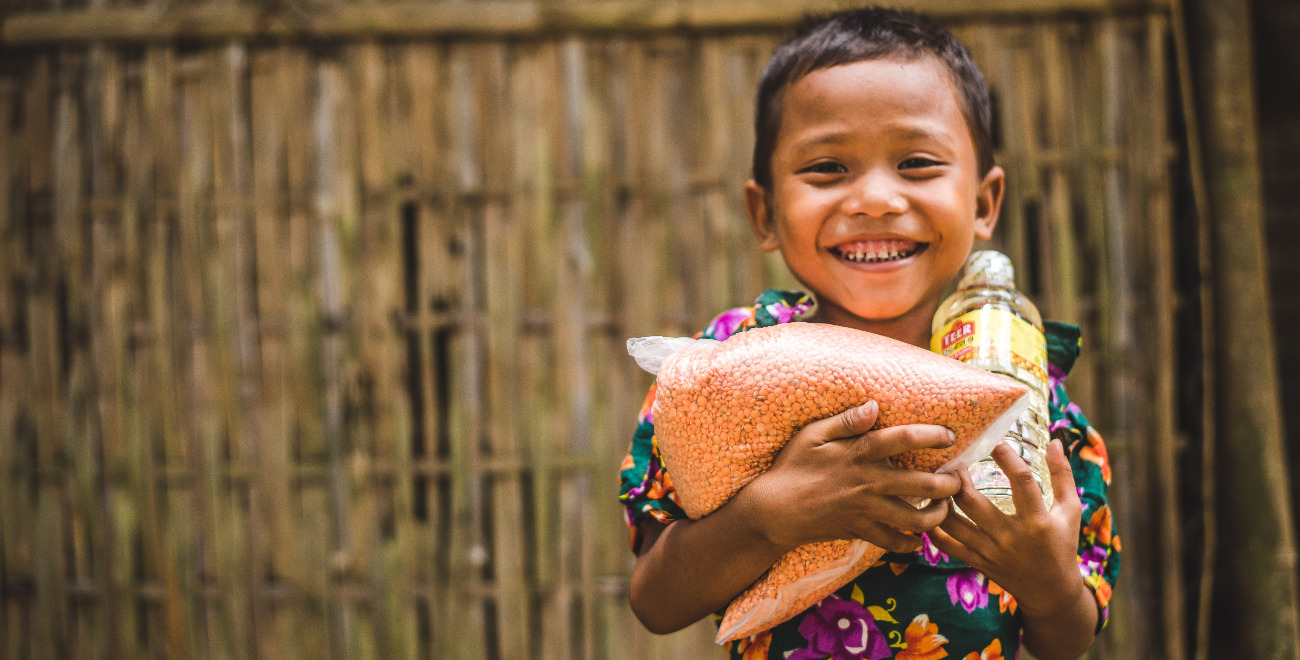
(887, 97)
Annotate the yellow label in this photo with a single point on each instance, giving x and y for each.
(989, 333)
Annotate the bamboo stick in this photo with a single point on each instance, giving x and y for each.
(490, 19)
(503, 287)
(1262, 551)
(107, 309)
(468, 621)
(137, 422)
(162, 541)
(272, 454)
(49, 630)
(424, 67)
(1057, 257)
(1165, 302)
(1205, 298)
(16, 523)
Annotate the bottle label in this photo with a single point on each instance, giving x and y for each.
(989, 333)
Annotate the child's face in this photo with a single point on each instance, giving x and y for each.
(876, 199)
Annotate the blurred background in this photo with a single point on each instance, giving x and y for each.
(312, 313)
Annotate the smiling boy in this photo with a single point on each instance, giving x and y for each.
(873, 176)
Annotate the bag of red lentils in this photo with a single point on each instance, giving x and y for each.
(723, 410)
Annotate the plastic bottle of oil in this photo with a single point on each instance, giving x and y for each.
(990, 324)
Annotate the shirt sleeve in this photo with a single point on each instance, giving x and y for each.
(646, 488)
(1099, 545)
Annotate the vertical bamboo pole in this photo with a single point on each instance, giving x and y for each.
(380, 299)
(402, 556)
(328, 205)
(424, 67)
(202, 547)
(16, 441)
(1058, 259)
(163, 540)
(1122, 396)
(137, 420)
(237, 347)
(83, 466)
(360, 168)
(538, 173)
(300, 93)
(503, 279)
(1023, 162)
(44, 396)
(272, 455)
(1254, 502)
(1156, 150)
(472, 618)
(106, 302)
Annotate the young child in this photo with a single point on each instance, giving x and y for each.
(873, 175)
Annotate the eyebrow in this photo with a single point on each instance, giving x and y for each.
(906, 132)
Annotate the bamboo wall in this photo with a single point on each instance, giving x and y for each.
(313, 348)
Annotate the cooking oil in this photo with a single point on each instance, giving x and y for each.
(987, 322)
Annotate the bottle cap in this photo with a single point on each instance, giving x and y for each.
(987, 267)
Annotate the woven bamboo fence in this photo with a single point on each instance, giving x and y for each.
(312, 324)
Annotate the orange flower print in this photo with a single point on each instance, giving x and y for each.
(1006, 602)
(991, 652)
(661, 485)
(648, 403)
(755, 647)
(1095, 452)
(1102, 587)
(923, 641)
(1099, 526)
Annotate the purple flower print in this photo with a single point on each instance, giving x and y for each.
(968, 588)
(782, 313)
(843, 630)
(1091, 561)
(929, 552)
(728, 323)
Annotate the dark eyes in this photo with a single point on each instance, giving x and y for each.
(826, 167)
(918, 163)
(833, 167)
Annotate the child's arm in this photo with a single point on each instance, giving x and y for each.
(1032, 554)
(832, 481)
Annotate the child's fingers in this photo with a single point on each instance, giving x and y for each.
(902, 516)
(1026, 494)
(974, 504)
(949, 536)
(1063, 488)
(892, 539)
(887, 442)
(848, 424)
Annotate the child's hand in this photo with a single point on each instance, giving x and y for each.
(1031, 554)
(833, 480)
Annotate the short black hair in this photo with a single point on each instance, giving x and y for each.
(821, 42)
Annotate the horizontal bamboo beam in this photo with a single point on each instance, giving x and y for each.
(492, 18)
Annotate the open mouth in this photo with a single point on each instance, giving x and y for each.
(875, 252)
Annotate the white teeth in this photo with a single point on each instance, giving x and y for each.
(875, 256)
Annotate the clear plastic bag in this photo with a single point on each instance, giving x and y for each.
(723, 410)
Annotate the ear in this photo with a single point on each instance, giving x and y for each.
(760, 215)
(988, 201)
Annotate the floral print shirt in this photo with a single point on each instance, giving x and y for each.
(916, 606)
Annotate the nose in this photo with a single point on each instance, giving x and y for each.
(876, 194)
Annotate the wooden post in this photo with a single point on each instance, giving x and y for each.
(1256, 540)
